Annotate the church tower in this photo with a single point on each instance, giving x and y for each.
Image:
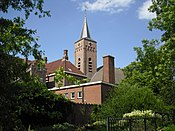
(86, 52)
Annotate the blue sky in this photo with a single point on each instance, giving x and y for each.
(116, 25)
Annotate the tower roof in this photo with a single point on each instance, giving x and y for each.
(85, 30)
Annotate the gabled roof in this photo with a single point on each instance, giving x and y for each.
(67, 65)
(85, 30)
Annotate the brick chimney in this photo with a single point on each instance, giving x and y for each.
(65, 55)
(108, 69)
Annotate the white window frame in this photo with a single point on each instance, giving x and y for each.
(72, 95)
(78, 94)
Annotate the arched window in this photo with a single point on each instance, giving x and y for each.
(90, 64)
(79, 63)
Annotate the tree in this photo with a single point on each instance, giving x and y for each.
(143, 72)
(154, 69)
(152, 74)
(165, 17)
(15, 39)
(126, 98)
(155, 63)
(60, 76)
(40, 107)
(31, 104)
(26, 6)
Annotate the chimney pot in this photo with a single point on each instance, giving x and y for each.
(65, 55)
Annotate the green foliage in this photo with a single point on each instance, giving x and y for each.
(60, 75)
(28, 7)
(15, 39)
(154, 68)
(139, 114)
(42, 107)
(64, 127)
(9, 120)
(165, 17)
(144, 72)
(12, 70)
(150, 80)
(32, 104)
(24, 102)
(96, 126)
(126, 98)
(169, 128)
(58, 127)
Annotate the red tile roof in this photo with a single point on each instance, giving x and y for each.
(67, 65)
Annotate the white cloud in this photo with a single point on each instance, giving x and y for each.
(111, 6)
(143, 11)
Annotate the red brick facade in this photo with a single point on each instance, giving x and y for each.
(91, 93)
(101, 79)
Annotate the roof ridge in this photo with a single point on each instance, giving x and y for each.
(54, 61)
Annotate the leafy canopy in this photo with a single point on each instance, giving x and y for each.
(28, 6)
(165, 17)
(150, 79)
(60, 76)
(125, 98)
(155, 63)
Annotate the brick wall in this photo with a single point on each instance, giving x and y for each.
(90, 94)
(81, 114)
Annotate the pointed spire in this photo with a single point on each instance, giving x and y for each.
(85, 30)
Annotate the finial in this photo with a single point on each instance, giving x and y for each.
(85, 9)
(85, 13)
(85, 31)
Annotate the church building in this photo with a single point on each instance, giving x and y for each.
(101, 79)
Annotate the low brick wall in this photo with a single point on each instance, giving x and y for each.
(81, 114)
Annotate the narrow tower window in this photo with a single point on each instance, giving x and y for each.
(90, 64)
(79, 63)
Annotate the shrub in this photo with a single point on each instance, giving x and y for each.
(58, 127)
(97, 126)
(64, 127)
(140, 114)
(169, 128)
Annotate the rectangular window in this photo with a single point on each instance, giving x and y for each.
(66, 95)
(73, 95)
(79, 94)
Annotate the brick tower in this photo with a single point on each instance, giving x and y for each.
(86, 52)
